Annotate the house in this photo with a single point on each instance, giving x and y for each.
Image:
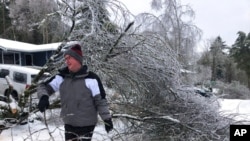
(25, 54)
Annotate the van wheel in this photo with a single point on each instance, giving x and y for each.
(14, 94)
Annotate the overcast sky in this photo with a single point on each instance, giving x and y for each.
(214, 17)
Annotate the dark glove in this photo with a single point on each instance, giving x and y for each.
(108, 125)
(43, 103)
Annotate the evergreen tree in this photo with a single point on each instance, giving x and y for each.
(36, 21)
(240, 51)
(218, 57)
(5, 21)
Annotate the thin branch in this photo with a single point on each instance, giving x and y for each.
(150, 118)
(118, 40)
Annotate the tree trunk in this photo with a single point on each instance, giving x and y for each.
(248, 80)
(3, 18)
(213, 69)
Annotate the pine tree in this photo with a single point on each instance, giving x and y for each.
(5, 21)
(217, 53)
(240, 51)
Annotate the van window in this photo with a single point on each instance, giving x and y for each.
(20, 77)
(3, 73)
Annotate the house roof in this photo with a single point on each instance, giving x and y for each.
(10, 45)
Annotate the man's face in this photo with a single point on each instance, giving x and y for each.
(72, 63)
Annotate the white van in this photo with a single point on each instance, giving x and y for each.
(20, 76)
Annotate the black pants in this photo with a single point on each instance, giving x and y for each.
(73, 133)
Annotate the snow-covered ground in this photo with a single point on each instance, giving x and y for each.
(240, 109)
(237, 109)
(39, 132)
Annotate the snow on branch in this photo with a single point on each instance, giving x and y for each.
(168, 118)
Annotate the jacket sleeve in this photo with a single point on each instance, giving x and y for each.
(100, 101)
(44, 89)
(102, 107)
(49, 87)
(92, 75)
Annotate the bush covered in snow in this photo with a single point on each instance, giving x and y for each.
(234, 90)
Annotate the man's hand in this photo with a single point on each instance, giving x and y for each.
(43, 103)
(108, 125)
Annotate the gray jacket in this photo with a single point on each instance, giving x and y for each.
(82, 97)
